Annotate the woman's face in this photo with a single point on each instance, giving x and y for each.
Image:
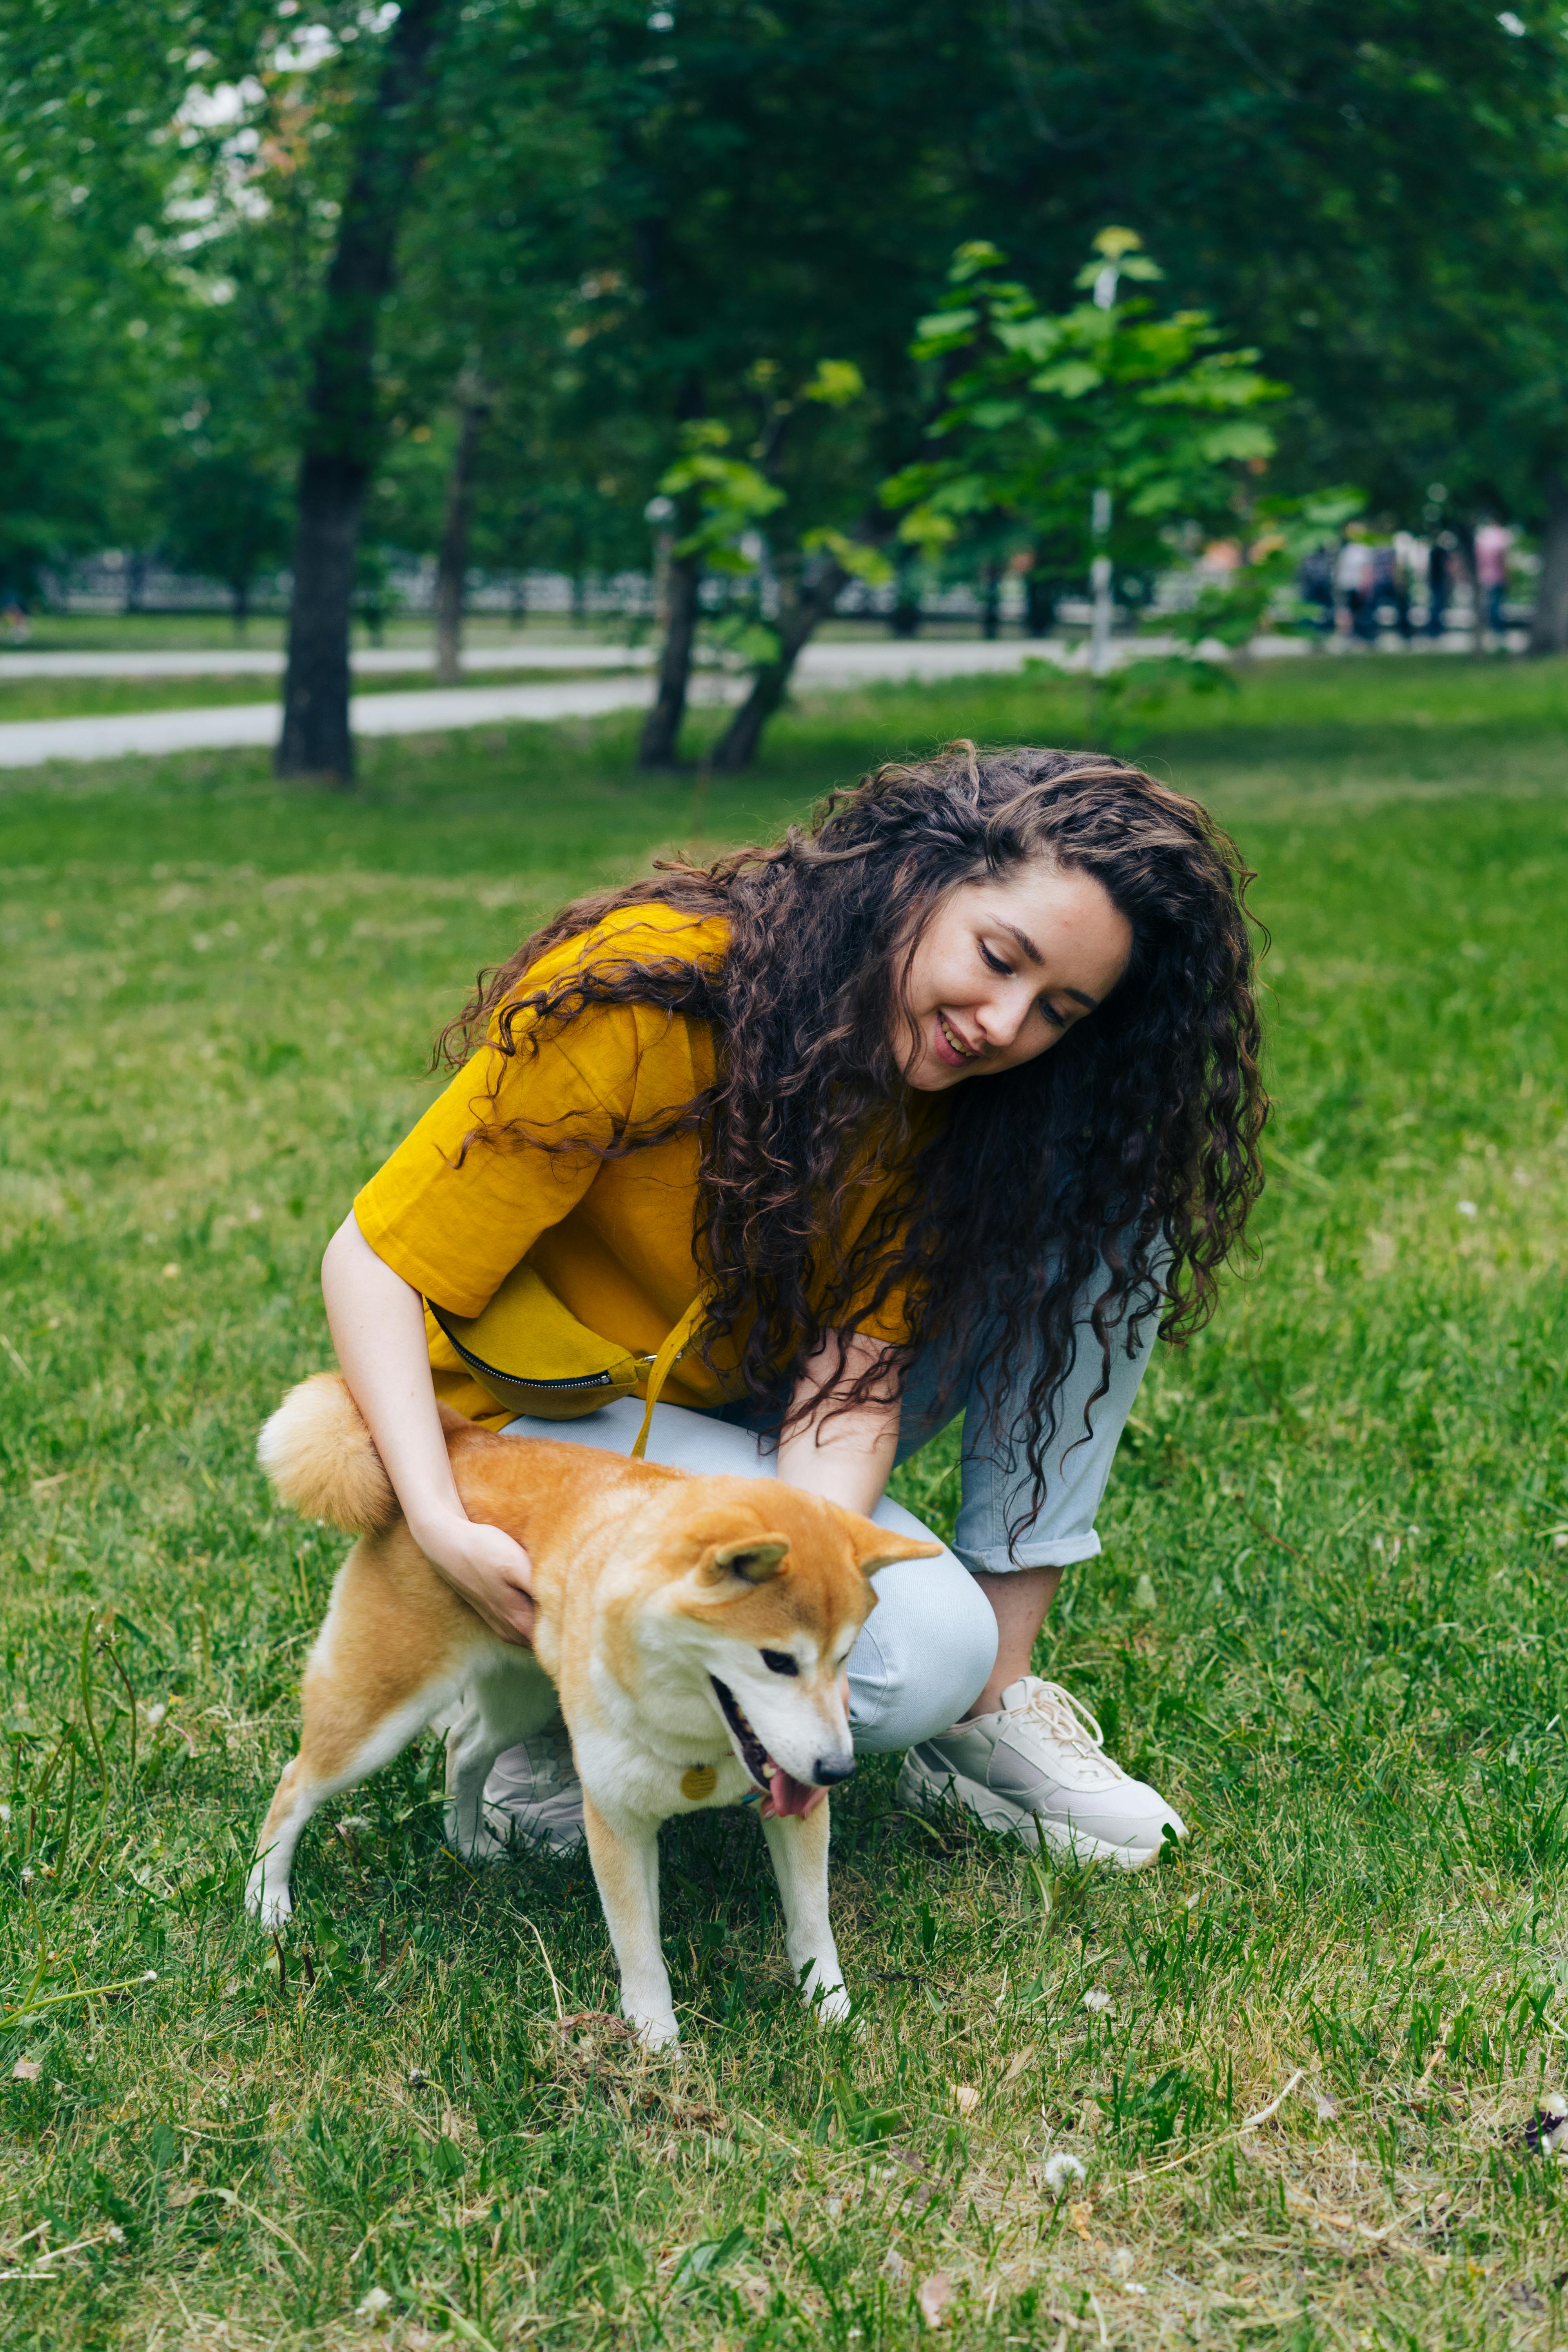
(1005, 968)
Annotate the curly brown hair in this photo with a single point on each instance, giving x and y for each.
(1118, 1167)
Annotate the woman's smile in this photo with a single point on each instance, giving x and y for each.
(950, 1047)
(1003, 969)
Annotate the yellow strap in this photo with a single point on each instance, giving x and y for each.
(678, 1341)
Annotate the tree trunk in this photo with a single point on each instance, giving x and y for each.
(737, 746)
(316, 739)
(905, 621)
(339, 450)
(991, 603)
(1549, 624)
(1039, 601)
(661, 729)
(452, 563)
(678, 578)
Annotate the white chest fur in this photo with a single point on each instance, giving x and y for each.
(622, 1772)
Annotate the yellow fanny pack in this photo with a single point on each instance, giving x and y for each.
(531, 1352)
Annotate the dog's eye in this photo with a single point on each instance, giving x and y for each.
(779, 1662)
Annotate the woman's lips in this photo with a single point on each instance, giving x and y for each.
(948, 1046)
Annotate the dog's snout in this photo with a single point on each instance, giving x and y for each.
(828, 1770)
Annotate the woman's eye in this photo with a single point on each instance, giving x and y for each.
(996, 962)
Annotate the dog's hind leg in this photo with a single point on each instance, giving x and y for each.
(512, 1699)
(332, 1756)
(799, 1851)
(395, 1649)
(625, 1854)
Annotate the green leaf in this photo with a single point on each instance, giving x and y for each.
(861, 561)
(923, 528)
(991, 415)
(836, 383)
(973, 257)
(1035, 338)
(1071, 378)
(947, 322)
(707, 2255)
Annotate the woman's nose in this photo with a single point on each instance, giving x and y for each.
(1002, 1017)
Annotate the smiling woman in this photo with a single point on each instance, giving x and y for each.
(1003, 969)
(939, 1108)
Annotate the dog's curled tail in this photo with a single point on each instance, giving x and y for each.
(322, 1461)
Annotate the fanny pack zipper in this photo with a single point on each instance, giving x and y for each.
(518, 1381)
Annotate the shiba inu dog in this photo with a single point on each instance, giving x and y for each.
(693, 1631)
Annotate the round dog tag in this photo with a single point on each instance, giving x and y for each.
(699, 1780)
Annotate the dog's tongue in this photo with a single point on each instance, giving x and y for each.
(787, 1796)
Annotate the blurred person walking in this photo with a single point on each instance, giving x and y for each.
(1315, 587)
(1383, 588)
(1439, 581)
(1354, 581)
(1408, 553)
(1493, 541)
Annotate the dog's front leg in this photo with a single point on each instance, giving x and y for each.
(799, 1851)
(624, 1855)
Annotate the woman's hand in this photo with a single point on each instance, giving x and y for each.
(378, 1326)
(845, 1457)
(493, 1574)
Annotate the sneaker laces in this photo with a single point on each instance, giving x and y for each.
(1070, 1723)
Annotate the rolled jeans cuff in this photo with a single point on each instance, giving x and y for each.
(1063, 1552)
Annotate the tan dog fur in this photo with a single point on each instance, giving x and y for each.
(648, 1583)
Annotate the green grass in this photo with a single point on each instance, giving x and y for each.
(1329, 1623)
(183, 631)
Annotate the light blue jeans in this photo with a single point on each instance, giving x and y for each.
(928, 1648)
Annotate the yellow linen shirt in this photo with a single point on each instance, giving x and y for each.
(612, 1238)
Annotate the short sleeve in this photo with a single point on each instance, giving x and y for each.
(461, 1202)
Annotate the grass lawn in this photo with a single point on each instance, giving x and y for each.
(1294, 2063)
(183, 631)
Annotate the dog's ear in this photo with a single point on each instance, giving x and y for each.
(753, 1559)
(878, 1546)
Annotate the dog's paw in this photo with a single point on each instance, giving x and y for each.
(270, 1905)
(829, 2004)
(659, 2034)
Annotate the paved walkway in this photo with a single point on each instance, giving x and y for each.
(369, 661)
(839, 662)
(26, 743)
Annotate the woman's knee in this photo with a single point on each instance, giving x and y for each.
(925, 1656)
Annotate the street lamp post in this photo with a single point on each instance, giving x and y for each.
(1099, 523)
(660, 516)
(1099, 584)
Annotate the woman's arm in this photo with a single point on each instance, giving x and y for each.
(848, 1457)
(377, 1323)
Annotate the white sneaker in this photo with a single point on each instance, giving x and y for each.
(533, 1798)
(1037, 1770)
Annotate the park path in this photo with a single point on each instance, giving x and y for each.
(368, 661)
(26, 743)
